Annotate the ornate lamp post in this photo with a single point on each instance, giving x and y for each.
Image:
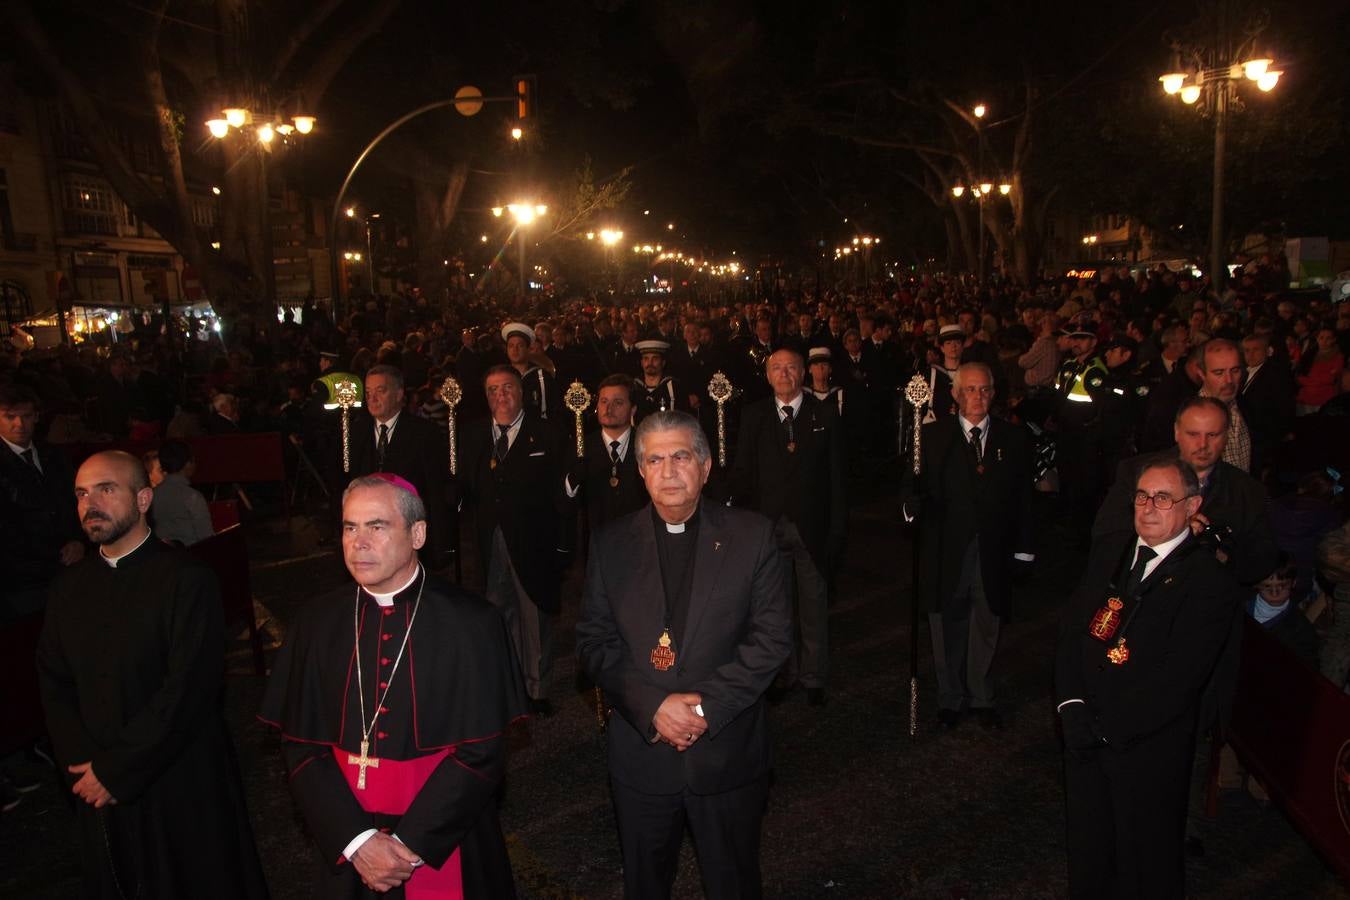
(1214, 74)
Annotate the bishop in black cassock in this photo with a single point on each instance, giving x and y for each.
(435, 664)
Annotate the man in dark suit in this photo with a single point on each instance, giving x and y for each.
(1235, 503)
(1141, 637)
(606, 478)
(511, 471)
(684, 622)
(790, 467)
(388, 438)
(39, 529)
(1266, 399)
(972, 502)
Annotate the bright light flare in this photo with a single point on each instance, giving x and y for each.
(979, 110)
(218, 127)
(958, 190)
(304, 124)
(1172, 82)
(1191, 93)
(266, 133)
(235, 116)
(1268, 80)
(1255, 68)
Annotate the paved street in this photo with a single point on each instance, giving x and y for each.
(858, 808)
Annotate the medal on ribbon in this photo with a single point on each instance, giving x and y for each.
(663, 657)
(1106, 620)
(1119, 654)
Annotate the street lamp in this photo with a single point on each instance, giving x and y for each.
(524, 214)
(1221, 81)
(265, 130)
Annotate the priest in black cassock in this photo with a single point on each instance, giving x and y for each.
(131, 659)
(393, 697)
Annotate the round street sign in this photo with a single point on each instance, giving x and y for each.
(468, 100)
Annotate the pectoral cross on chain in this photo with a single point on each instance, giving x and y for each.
(364, 760)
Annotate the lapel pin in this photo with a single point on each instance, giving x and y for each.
(1167, 580)
(998, 454)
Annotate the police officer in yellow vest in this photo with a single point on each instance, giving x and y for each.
(1082, 385)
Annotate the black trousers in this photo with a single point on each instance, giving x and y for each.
(725, 828)
(1127, 820)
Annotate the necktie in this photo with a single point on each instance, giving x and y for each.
(30, 458)
(614, 451)
(787, 426)
(976, 445)
(1137, 573)
(499, 449)
(382, 446)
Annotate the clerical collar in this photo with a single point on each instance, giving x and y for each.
(112, 561)
(677, 527)
(388, 599)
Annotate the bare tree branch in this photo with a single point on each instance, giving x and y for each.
(301, 33)
(334, 55)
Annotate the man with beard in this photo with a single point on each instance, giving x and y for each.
(607, 476)
(393, 697)
(131, 659)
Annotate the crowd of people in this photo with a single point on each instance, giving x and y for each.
(1183, 439)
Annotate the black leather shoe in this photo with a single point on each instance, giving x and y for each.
(988, 718)
(947, 718)
(815, 696)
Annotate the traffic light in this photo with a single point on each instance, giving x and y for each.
(525, 88)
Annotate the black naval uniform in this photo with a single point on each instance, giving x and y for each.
(665, 396)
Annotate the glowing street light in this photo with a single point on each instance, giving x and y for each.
(1005, 189)
(1221, 82)
(610, 237)
(1172, 82)
(218, 127)
(517, 134)
(979, 110)
(958, 190)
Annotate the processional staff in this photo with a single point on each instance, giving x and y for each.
(919, 395)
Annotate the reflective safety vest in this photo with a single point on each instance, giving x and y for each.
(330, 383)
(1087, 381)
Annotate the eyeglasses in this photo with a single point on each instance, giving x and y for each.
(1162, 501)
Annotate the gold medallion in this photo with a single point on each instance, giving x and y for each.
(492, 463)
(613, 481)
(1119, 654)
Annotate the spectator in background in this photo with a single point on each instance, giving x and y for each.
(1318, 374)
(1285, 621)
(179, 510)
(1300, 520)
(1041, 362)
(153, 470)
(1333, 566)
(224, 417)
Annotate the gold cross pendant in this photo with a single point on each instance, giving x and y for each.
(364, 760)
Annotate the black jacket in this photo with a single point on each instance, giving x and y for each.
(738, 633)
(953, 504)
(419, 452)
(807, 484)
